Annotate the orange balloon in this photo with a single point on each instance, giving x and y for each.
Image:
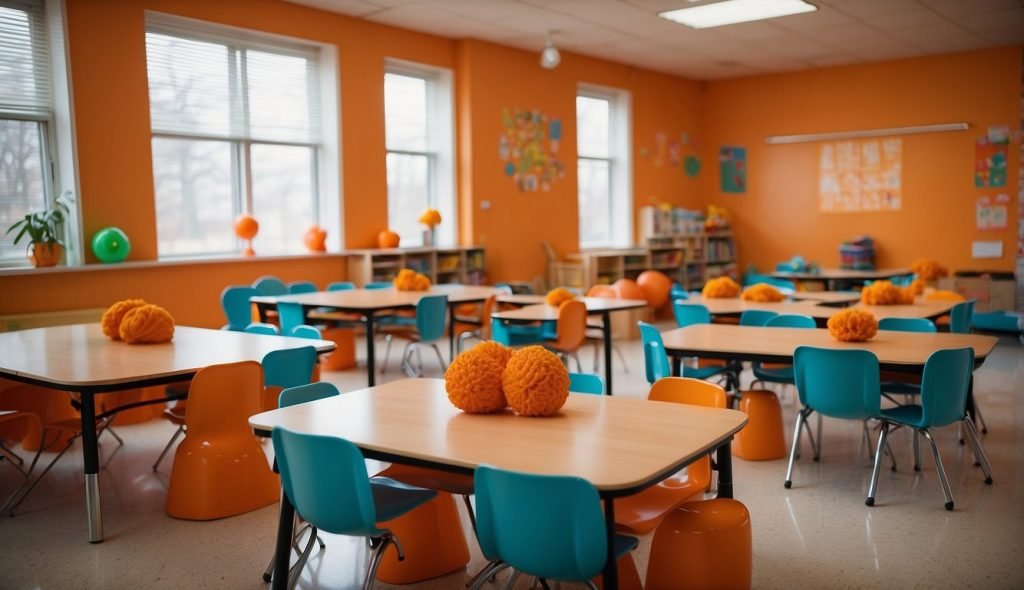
(606, 291)
(656, 287)
(628, 289)
(387, 239)
(246, 226)
(315, 239)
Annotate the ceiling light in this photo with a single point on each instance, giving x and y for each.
(550, 57)
(735, 11)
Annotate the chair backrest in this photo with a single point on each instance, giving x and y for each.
(325, 479)
(842, 383)
(431, 313)
(543, 525)
(755, 278)
(304, 331)
(944, 386)
(341, 286)
(572, 326)
(677, 291)
(688, 314)
(378, 285)
(237, 308)
(289, 367)
(269, 285)
(960, 317)
(586, 383)
(656, 364)
(290, 315)
(791, 320)
(485, 316)
(756, 317)
(695, 392)
(261, 328)
(296, 287)
(907, 324)
(302, 394)
(222, 397)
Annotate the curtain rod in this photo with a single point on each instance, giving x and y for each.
(938, 128)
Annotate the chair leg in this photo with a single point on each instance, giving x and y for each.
(597, 355)
(873, 486)
(979, 452)
(817, 447)
(622, 359)
(800, 417)
(512, 578)
(440, 359)
(406, 365)
(378, 554)
(576, 358)
(296, 570)
(917, 450)
(942, 472)
(977, 414)
(487, 574)
(387, 354)
(17, 502)
(866, 438)
(27, 473)
(177, 433)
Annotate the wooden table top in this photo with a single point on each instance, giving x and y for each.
(615, 443)
(778, 344)
(736, 306)
(80, 356)
(544, 312)
(827, 297)
(843, 274)
(367, 299)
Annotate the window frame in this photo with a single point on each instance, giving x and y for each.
(620, 169)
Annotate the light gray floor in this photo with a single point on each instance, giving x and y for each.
(817, 535)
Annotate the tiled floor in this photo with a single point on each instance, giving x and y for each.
(817, 535)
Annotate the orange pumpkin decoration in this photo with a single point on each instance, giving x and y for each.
(112, 318)
(147, 324)
(853, 325)
(721, 288)
(556, 297)
(762, 292)
(603, 291)
(387, 239)
(473, 380)
(628, 289)
(656, 287)
(315, 239)
(535, 382)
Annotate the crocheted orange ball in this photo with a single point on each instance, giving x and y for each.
(555, 297)
(111, 321)
(721, 288)
(147, 324)
(762, 292)
(473, 380)
(916, 287)
(536, 383)
(885, 293)
(410, 280)
(928, 269)
(853, 325)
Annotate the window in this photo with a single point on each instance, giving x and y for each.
(418, 134)
(236, 129)
(603, 168)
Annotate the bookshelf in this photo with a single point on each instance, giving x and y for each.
(460, 264)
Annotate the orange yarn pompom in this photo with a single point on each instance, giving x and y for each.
(473, 380)
(556, 297)
(928, 269)
(147, 324)
(535, 382)
(762, 292)
(885, 293)
(410, 280)
(853, 325)
(114, 315)
(722, 287)
(916, 287)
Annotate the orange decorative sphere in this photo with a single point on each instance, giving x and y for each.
(246, 226)
(628, 289)
(535, 382)
(762, 292)
(721, 288)
(656, 287)
(556, 297)
(885, 293)
(473, 380)
(853, 325)
(315, 239)
(928, 269)
(410, 280)
(603, 291)
(387, 239)
(147, 324)
(112, 318)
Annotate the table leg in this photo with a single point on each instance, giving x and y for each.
(610, 575)
(606, 330)
(724, 460)
(261, 308)
(91, 458)
(677, 366)
(451, 333)
(371, 365)
(282, 551)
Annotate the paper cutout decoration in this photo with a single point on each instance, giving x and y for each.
(529, 148)
(860, 175)
(732, 162)
(990, 153)
(992, 213)
(691, 166)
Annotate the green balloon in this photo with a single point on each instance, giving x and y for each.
(110, 244)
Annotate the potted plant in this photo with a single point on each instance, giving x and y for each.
(44, 230)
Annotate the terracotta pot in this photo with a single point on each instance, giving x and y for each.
(45, 253)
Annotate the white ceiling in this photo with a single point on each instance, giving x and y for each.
(630, 32)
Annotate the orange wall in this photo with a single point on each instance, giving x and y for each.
(778, 217)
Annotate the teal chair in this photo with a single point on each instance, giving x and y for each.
(841, 383)
(270, 285)
(290, 315)
(782, 374)
(786, 286)
(677, 292)
(547, 526)
(756, 317)
(304, 331)
(906, 383)
(298, 287)
(656, 365)
(960, 317)
(237, 308)
(341, 286)
(325, 479)
(688, 314)
(289, 367)
(520, 334)
(586, 383)
(944, 386)
(378, 285)
(261, 328)
(431, 316)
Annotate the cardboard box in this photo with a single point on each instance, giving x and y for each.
(991, 294)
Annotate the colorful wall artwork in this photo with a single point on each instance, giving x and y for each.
(529, 149)
(992, 213)
(732, 162)
(990, 154)
(860, 175)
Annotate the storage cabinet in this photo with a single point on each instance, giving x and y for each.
(461, 264)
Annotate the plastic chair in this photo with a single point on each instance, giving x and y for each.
(656, 365)
(688, 314)
(640, 513)
(543, 525)
(270, 285)
(285, 368)
(378, 285)
(586, 383)
(780, 372)
(290, 315)
(341, 286)
(237, 308)
(907, 325)
(12, 458)
(677, 291)
(841, 383)
(431, 314)
(297, 287)
(960, 317)
(944, 386)
(756, 317)
(325, 479)
(262, 328)
(571, 331)
(482, 331)
(219, 468)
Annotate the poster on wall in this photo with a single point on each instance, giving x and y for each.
(990, 153)
(732, 162)
(528, 146)
(860, 175)
(992, 213)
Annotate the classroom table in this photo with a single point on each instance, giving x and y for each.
(368, 302)
(541, 312)
(734, 307)
(830, 276)
(79, 358)
(833, 298)
(620, 445)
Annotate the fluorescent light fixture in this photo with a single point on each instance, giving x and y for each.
(735, 11)
(889, 131)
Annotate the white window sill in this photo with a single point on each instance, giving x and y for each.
(26, 270)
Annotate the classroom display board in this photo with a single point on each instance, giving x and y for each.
(528, 148)
(860, 175)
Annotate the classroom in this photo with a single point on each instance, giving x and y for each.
(312, 293)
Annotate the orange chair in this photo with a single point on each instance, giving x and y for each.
(219, 468)
(433, 542)
(762, 438)
(704, 544)
(50, 405)
(25, 420)
(571, 331)
(479, 330)
(640, 513)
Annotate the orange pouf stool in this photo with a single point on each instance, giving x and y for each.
(762, 438)
(344, 354)
(704, 544)
(629, 578)
(433, 542)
